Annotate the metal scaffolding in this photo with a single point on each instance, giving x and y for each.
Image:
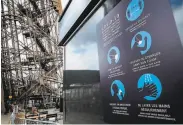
(31, 60)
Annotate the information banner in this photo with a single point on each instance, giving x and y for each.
(141, 63)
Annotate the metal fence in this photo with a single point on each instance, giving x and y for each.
(32, 122)
(38, 122)
(84, 99)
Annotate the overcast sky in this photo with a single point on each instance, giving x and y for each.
(82, 51)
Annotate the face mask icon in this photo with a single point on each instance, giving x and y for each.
(118, 89)
(143, 41)
(113, 55)
(138, 40)
(116, 57)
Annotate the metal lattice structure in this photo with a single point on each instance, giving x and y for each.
(31, 59)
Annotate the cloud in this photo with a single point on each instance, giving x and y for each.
(85, 60)
(82, 51)
(88, 32)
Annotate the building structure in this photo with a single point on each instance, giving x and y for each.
(31, 61)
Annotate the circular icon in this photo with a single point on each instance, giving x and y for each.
(142, 40)
(118, 89)
(134, 9)
(150, 85)
(113, 55)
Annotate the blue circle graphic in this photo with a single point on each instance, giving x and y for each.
(121, 89)
(134, 9)
(113, 55)
(142, 40)
(151, 82)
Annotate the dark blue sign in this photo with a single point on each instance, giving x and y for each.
(141, 63)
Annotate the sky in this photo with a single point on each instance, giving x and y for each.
(82, 51)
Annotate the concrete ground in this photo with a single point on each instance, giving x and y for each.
(5, 118)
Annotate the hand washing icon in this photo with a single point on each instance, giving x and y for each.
(150, 86)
